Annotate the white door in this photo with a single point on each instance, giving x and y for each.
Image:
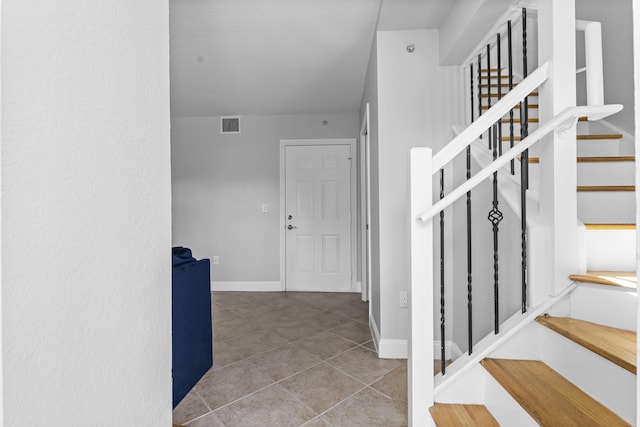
(318, 217)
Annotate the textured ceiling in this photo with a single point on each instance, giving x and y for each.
(280, 56)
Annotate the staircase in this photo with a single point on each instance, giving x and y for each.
(575, 365)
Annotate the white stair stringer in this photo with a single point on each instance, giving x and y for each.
(612, 250)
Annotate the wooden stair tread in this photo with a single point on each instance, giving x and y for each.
(515, 107)
(496, 85)
(583, 188)
(446, 415)
(517, 121)
(495, 95)
(601, 159)
(625, 279)
(616, 345)
(599, 136)
(549, 398)
(610, 226)
(606, 159)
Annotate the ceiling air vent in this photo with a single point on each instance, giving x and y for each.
(230, 124)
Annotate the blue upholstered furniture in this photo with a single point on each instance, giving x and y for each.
(192, 341)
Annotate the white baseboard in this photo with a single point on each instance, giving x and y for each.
(451, 350)
(393, 349)
(387, 348)
(238, 286)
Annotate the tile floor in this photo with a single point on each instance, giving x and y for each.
(295, 359)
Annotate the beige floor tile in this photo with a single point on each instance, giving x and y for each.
(209, 420)
(192, 406)
(249, 307)
(284, 361)
(228, 298)
(272, 406)
(321, 387)
(232, 328)
(394, 384)
(256, 342)
(219, 314)
(363, 364)
(353, 310)
(316, 422)
(301, 311)
(353, 331)
(224, 385)
(325, 345)
(295, 330)
(370, 345)
(329, 319)
(367, 408)
(224, 354)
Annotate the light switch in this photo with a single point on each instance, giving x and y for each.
(265, 208)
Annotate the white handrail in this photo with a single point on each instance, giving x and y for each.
(567, 117)
(494, 114)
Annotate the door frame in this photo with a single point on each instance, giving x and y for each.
(365, 205)
(284, 143)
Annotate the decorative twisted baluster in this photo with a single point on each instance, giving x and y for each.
(469, 265)
(524, 165)
(499, 65)
(510, 55)
(480, 87)
(494, 217)
(489, 87)
(442, 329)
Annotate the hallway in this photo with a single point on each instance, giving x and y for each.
(293, 359)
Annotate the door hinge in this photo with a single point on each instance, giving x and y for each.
(350, 161)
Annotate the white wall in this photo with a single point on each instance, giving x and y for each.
(220, 182)
(417, 104)
(617, 47)
(86, 221)
(370, 96)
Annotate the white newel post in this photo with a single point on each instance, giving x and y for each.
(558, 199)
(420, 363)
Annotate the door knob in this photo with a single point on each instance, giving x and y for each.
(291, 227)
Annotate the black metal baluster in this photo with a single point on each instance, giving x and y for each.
(442, 329)
(495, 216)
(480, 87)
(471, 89)
(499, 65)
(489, 88)
(469, 265)
(510, 55)
(524, 165)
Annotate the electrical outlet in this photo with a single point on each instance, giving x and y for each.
(265, 208)
(216, 259)
(404, 299)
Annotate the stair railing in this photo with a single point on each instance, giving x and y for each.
(423, 166)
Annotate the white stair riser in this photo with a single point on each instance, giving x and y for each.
(606, 305)
(606, 173)
(611, 250)
(599, 207)
(598, 147)
(603, 380)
